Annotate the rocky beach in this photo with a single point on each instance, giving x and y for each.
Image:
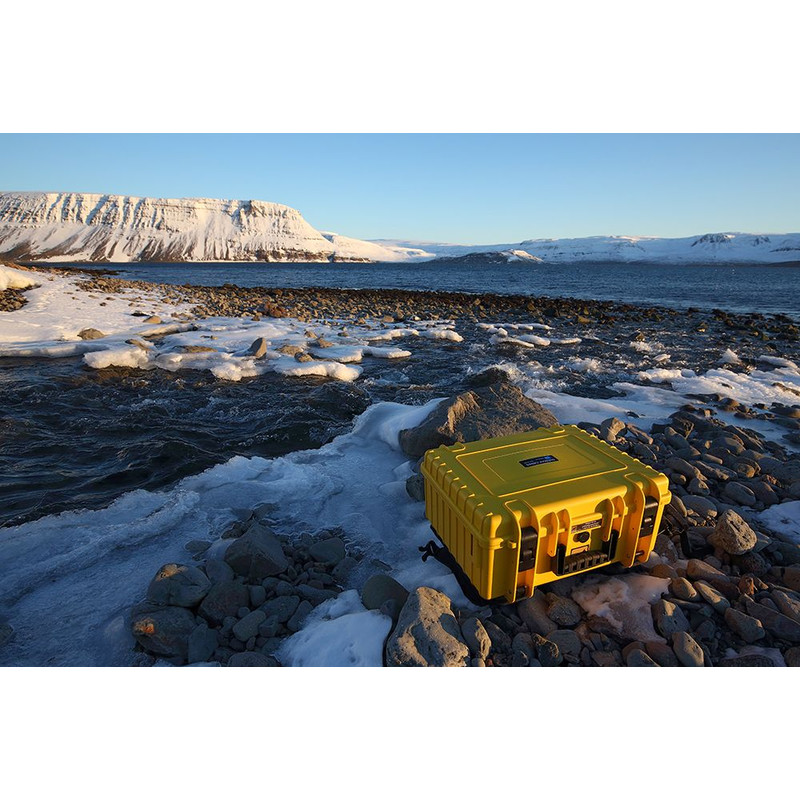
(312, 557)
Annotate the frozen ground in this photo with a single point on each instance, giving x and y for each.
(69, 580)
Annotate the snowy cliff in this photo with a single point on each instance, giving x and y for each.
(113, 228)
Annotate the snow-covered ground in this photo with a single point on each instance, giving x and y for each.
(69, 580)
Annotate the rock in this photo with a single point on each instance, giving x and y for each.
(302, 357)
(744, 626)
(289, 349)
(481, 413)
(298, 618)
(522, 650)
(786, 605)
(258, 349)
(257, 554)
(281, 608)
(313, 595)
(739, 493)
(639, 658)
(687, 651)
(251, 660)
(163, 630)
(669, 618)
(218, 571)
(714, 598)
(791, 577)
(415, 487)
(683, 467)
(328, 551)
(682, 589)
(152, 320)
(379, 588)
(247, 627)
(477, 662)
(476, 637)
(91, 333)
(792, 657)
(564, 612)
(697, 569)
(610, 428)
(732, 534)
(258, 596)
(604, 659)
(547, 652)
(661, 653)
(224, 599)
(533, 612)
(702, 506)
(776, 623)
(427, 633)
(202, 643)
(340, 572)
(178, 585)
(663, 571)
(750, 660)
(567, 641)
(501, 641)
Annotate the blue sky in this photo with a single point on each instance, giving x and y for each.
(468, 188)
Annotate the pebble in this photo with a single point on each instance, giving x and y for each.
(739, 493)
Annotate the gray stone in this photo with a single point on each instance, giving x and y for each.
(776, 623)
(533, 613)
(750, 660)
(683, 467)
(224, 599)
(739, 493)
(786, 605)
(567, 641)
(178, 585)
(296, 621)
(313, 595)
(163, 630)
(427, 633)
(669, 618)
(415, 487)
(702, 506)
(91, 333)
(687, 651)
(682, 589)
(258, 596)
(610, 428)
(732, 534)
(281, 608)
(203, 642)
(547, 652)
(257, 554)
(247, 627)
(501, 641)
(251, 660)
(522, 650)
(481, 413)
(792, 657)
(340, 572)
(697, 569)
(197, 546)
(476, 637)
(379, 588)
(715, 599)
(744, 626)
(639, 658)
(328, 551)
(661, 653)
(258, 349)
(283, 588)
(564, 612)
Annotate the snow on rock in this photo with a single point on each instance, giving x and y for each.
(100, 228)
(729, 357)
(11, 278)
(783, 519)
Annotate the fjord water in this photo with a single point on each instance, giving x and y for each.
(738, 288)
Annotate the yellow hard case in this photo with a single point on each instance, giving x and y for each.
(524, 510)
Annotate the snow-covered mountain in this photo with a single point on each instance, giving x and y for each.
(114, 228)
(714, 248)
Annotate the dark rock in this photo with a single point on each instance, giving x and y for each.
(739, 493)
(328, 551)
(714, 598)
(218, 571)
(501, 641)
(251, 660)
(639, 658)
(752, 660)
(415, 487)
(744, 626)
(163, 630)
(257, 554)
(776, 623)
(522, 650)
(547, 652)
(178, 585)
(476, 637)
(6, 633)
(298, 618)
(792, 657)
(427, 633)
(247, 626)
(567, 641)
(661, 653)
(533, 613)
(379, 588)
(564, 612)
(224, 599)
(281, 608)
(202, 643)
(482, 413)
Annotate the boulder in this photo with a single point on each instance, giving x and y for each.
(163, 630)
(427, 633)
(328, 551)
(499, 409)
(178, 585)
(224, 599)
(257, 554)
(777, 624)
(203, 642)
(258, 349)
(732, 534)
